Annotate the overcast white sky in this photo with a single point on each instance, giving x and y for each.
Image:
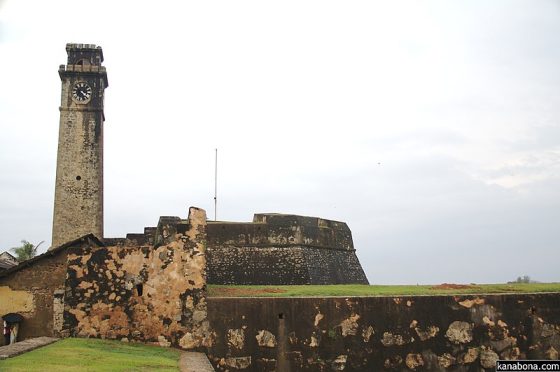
(431, 128)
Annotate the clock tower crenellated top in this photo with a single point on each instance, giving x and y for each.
(80, 54)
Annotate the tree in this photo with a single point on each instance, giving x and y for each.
(25, 251)
(524, 279)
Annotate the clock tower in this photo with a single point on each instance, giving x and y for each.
(78, 201)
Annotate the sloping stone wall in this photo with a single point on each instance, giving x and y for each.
(251, 265)
(333, 266)
(293, 265)
(282, 249)
(422, 333)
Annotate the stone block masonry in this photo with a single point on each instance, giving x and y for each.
(274, 249)
(78, 206)
(282, 249)
(155, 293)
(292, 265)
(411, 333)
(151, 287)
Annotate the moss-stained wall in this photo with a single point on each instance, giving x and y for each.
(282, 249)
(251, 265)
(283, 265)
(143, 293)
(423, 333)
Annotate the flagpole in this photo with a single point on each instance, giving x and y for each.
(216, 187)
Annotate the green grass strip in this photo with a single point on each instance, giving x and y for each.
(375, 290)
(76, 354)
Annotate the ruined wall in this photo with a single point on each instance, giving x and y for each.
(282, 249)
(143, 293)
(30, 292)
(422, 333)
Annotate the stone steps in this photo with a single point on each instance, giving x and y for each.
(194, 362)
(24, 346)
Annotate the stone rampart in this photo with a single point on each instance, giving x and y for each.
(427, 333)
(274, 249)
(282, 249)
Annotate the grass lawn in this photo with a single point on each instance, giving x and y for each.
(374, 290)
(78, 354)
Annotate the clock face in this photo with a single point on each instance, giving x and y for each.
(81, 93)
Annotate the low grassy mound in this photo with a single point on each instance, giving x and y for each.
(77, 354)
(375, 290)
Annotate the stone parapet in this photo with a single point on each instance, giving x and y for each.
(272, 229)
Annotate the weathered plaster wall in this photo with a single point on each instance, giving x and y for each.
(282, 249)
(16, 301)
(382, 333)
(143, 293)
(30, 292)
